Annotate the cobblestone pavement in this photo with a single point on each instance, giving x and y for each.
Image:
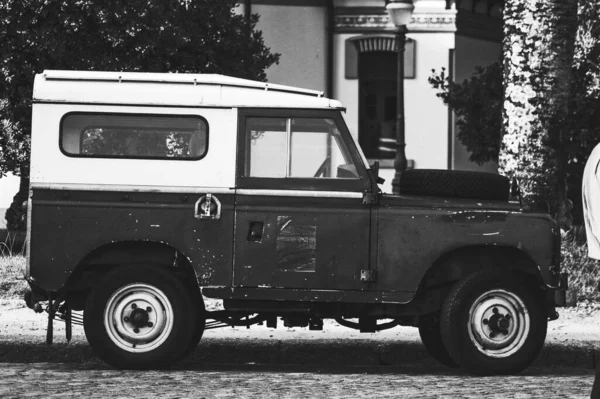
(285, 363)
(52, 380)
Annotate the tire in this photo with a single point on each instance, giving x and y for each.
(200, 311)
(455, 183)
(145, 300)
(493, 323)
(431, 336)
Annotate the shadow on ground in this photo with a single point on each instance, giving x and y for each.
(305, 354)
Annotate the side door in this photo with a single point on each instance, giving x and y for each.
(300, 217)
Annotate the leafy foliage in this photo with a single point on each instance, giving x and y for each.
(14, 145)
(478, 102)
(12, 282)
(584, 272)
(584, 121)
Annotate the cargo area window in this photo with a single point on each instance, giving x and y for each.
(296, 148)
(100, 135)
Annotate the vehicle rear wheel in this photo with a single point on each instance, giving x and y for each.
(431, 336)
(140, 317)
(493, 323)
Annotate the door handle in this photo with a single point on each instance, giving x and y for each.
(255, 232)
(207, 207)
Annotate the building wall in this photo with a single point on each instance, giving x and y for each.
(471, 52)
(426, 115)
(345, 90)
(298, 31)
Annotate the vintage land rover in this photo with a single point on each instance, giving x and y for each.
(151, 192)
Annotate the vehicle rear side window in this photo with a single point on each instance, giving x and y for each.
(134, 136)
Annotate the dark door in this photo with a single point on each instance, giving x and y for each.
(377, 104)
(300, 221)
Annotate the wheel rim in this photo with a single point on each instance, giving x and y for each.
(498, 323)
(138, 318)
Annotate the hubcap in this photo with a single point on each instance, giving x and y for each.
(138, 317)
(498, 323)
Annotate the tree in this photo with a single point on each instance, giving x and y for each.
(195, 36)
(477, 103)
(584, 122)
(539, 46)
(579, 128)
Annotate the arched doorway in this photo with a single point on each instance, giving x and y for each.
(377, 104)
(376, 68)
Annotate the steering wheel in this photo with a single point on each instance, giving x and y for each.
(322, 168)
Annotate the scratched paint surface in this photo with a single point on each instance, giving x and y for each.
(296, 246)
(412, 238)
(308, 243)
(67, 226)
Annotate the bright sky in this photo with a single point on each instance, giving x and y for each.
(8, 188)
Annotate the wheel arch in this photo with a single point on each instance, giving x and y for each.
(461, 262)
(105, 258)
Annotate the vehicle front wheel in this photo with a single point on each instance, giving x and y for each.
(140, 317)
(493, 323)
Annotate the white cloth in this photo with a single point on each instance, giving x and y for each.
(590, 188)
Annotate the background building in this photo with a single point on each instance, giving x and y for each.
(347, 49)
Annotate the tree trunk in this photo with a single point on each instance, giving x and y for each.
(539, 42)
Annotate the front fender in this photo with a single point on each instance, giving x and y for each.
(412, 240)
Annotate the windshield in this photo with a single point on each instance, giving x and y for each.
(360, 151)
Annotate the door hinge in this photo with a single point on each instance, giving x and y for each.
(370, 198)
(367, 276)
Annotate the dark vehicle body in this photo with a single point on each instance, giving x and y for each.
(299, 248)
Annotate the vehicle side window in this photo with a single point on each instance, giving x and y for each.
(134, 136)
(296, 148)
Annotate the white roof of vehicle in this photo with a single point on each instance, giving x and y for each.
(171, 89)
